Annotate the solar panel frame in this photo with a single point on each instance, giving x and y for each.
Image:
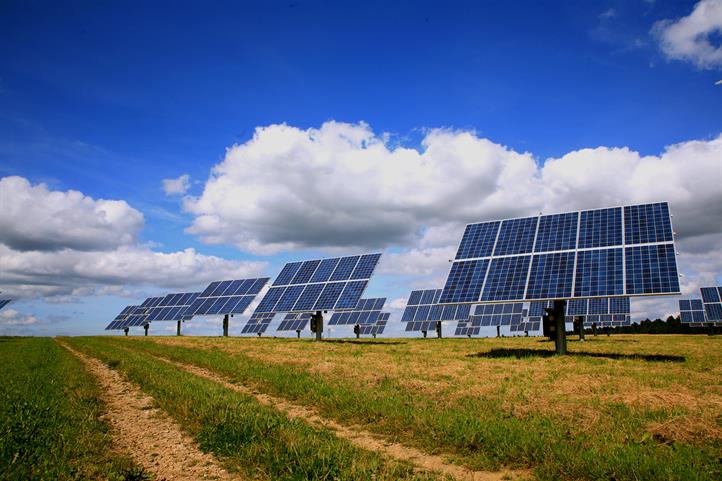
(4, 302)
(614, 260)
(712, 302)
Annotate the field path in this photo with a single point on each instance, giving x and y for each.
(355, 435)
(151, 437)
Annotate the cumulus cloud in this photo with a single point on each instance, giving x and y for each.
(177, 186)
(690, 38)
(11, 317)
(64, 245)
(33, 218)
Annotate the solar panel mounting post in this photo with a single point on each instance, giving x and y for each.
(225, 325)
(145, 327)
(560, 339)
(317, 320)
(498, 331)
(178, 328)
(580, 320)
(126, 329)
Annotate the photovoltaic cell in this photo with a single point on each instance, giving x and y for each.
(648, 223)
(220, 297)
(172, 307)
(692, 311)
(478, 240)
(557, 232)
(258, 323)
(651, 269)
(601, 228)
(465, 281)
(712, 299)
(506, 279)
(551, 276)
(599, 273)
(367, 311)
(516, 236)
(295, 321)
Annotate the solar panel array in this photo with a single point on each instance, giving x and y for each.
(423, 311)
(367, 311)
(119, 321)
(226, 297)
(602, 311)
(593, 253)
(319, 285)
(505, 314)
(692, 311)
(258, 322)
(377, 328)
(295, 321)
(464, 328)
(712, 299)
(4, 302)
(172, 307)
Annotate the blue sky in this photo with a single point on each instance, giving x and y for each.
(110, 99)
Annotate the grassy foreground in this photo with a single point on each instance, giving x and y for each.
(623, 407)
(49, 418)
(255, 440)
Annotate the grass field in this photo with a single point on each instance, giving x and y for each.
(620, 407)
(49, 418)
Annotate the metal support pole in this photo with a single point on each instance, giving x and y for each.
(560, 320)
(298, 333)
(126, 330)
(594, 329)
(178, 328)
(146, 326)
(438, 329)
(498, 331)
(319, 325)
(580, 320)
(225, 325)
(424, 332)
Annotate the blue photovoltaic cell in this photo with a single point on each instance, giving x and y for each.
(685, 305)
(344, 268)
(287, 273)
(329, 296)
(536, 308)
(600, 228)
(599, 306)
(647, 223)
(651, 269)
(695, 305)
(351, 294)
(599, 273)
(557, 232)
(294, 321)
(691, 311)
(427, 296)
(710, 294)
(551, 276)
(516, 236)
(305, 272)
(258, 323)
(465, 281)
(325, 269)
(365, 266)
(619, 305)
(289, 298)
(4, 302)
(478, 240)
(409, 314)
(415, 298)
(577, 307)
(308, 298)
(270, 299)
(172, 307)
(713, 311)
(506, 279)
(222, 297)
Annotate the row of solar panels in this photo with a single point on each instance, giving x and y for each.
(4, 302)
(702, 311)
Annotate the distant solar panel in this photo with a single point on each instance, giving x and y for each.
(320, 285)
(138, 316)
(619, 251)
(119, 321)
(497, 314)
(295, 321)
(367, 311)
(464, 328)
(712, 299)
(258, 323)
(172, 307)
(692, 311)
(377, 328)
(423, 311)
(4, 302)
(226, 297)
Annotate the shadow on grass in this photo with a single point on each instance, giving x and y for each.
(522, 353)
(362, 341)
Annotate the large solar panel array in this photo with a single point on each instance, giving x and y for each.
(376, 328)
(226, 297)
(712, 299)
(295, 321)
(602, 311)
(258, 323)
(423, 311)
(4, 302)
(593, 253)
(505, 314)
(692, 311)
(320, 285)
(367, 311)
(172, 307)
(119, 321)
(136, 317)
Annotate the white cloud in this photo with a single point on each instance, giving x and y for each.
(35, 218)
(690, 38)
(78, 273)
(11, 317)
(177, 186)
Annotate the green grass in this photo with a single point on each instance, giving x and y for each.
(254, 439)
(49, 418)
(575, 417)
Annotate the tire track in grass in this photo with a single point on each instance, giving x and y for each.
(151, 438)
(356, 436)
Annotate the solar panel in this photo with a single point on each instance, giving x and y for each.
(423, 311)
(618, 251)
(136, 317)
(172, 307)
(320, 284)
(712, 300)
(4, 302)
(692, 311)
(367, 311)
(506, 314)
(463, 328)
(258, 323)
(120, 320)
(295, 321)
(377, 328)
(225, 297)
